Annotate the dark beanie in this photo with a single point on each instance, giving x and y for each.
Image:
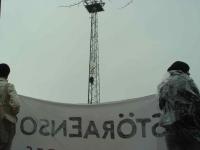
(4, 70)
(179, 65)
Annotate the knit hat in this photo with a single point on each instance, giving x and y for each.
(4, 70)
(179, 65)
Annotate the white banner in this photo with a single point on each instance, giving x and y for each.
(128, 125)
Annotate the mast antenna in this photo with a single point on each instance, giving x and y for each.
(0, 8)
(94, 7)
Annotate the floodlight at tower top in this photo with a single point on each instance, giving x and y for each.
(94, 6)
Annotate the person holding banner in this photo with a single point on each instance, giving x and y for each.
(179, 100)
(9, 107)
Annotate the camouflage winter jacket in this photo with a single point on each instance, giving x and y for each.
(9, 101)
(179, 94)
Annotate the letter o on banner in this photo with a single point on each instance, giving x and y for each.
(129, 122)
(28, 126)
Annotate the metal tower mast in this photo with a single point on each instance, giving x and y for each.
(93, 7)
(0, 8)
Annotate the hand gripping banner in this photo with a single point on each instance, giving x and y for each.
(129, 125)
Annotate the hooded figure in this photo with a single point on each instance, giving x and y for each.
(178, 100)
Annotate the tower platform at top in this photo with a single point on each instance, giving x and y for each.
(94, 6)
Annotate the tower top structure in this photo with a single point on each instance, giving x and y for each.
(94, 6)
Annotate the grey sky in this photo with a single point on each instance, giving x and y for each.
(47, 46)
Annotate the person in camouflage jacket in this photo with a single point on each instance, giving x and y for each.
(9, 107)
(179, 100)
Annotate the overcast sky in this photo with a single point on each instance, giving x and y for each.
(47, 47)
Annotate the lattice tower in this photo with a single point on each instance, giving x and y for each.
(94, 7)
